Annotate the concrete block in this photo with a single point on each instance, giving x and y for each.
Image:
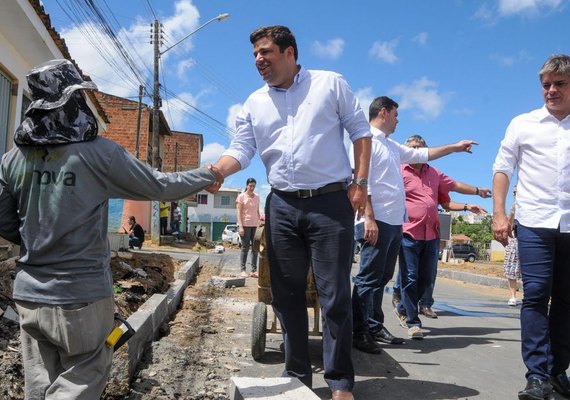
(189, 270)
(141, 321)
(157, 306)
(225, 282)
(245, 388)
(174, 294)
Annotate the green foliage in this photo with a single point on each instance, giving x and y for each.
(479, 233)
(117, 289)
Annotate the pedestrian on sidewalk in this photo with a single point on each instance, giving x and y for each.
(512, 264)
(55, 186)
(536, 145)
(248, 219)
(296, 122)
(135, 232)
(380, 235)
(424, 186)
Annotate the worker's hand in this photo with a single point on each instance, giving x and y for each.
(214, 187)
(502, 228)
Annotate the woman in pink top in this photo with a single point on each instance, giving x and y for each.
(248, 219)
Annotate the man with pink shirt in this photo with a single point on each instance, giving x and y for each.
(425, 186)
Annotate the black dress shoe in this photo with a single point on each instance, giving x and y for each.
(536, 389)
(561, 384)
(364, 342)
(384, 336)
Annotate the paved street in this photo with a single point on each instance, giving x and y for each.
(470, 352)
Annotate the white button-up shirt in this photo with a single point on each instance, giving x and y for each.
(385, 183)
(538, 145)
(299, 131)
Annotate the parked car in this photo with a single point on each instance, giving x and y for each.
(230, 234)
(467, 252)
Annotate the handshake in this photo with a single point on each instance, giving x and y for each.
(214, 187)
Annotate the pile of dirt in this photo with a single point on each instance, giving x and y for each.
(136, 277)
(494, 270)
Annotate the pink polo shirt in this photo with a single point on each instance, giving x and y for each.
(422, 194)
(250, 209)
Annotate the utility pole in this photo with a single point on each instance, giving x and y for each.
(141, 89)
(156, 98)
(176, 157)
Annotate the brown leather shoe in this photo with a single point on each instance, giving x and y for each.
(342, 395)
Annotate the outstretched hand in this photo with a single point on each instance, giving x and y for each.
(485, 193)
(464, 146)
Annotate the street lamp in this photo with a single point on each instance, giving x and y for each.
(156, 86)
(220, 17)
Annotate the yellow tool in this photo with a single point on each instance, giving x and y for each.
(118, 336)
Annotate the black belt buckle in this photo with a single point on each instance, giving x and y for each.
(306, 193)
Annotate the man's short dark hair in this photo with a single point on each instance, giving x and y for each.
(132, 218)
(378, 104)
(280, 35)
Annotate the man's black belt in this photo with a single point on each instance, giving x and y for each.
(307, 193)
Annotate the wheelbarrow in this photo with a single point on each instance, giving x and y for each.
(259, 323)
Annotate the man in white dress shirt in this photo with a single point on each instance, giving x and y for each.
(537, 144)
(380, 235)
(296, 123)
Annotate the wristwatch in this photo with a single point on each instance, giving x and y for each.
(360, 181)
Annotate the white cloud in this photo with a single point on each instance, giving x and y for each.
(232, 112)
(513, 7)
(510, 60)
(331, 49)
(365, 97)
(384, 51)
(108, 76)
(211, 152)
(506, 8)
(184, 66)
(421, 38)
(422, 97)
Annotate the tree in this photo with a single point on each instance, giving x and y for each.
(479, 233)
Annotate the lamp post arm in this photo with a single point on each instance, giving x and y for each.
(220, 17)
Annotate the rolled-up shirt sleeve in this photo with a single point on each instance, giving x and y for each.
(351, 114)
(243, 145)
(507, 156)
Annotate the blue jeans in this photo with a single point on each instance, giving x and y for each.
(418, 264)
(544, 256)
(315, 231)
(426, 300)
(377, 264)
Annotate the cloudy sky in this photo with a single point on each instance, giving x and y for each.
(458, 68)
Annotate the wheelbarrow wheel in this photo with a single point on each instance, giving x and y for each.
(258, 330)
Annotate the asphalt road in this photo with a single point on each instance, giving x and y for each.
(472, 351)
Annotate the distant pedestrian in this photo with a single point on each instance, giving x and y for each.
(175, 222)
(135, 232)
(55, 186)
(164, 211)
(248, 220)
(512, 264)
(536, 145)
